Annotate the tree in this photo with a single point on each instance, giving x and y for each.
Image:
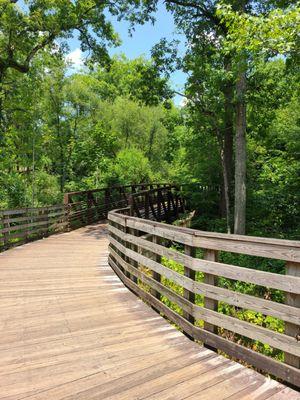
(29, 28)
(275, 32)
(207, 32)
(137, 79)
(35, 26)
(130, 166)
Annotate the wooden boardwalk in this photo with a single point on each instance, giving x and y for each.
(69, 329)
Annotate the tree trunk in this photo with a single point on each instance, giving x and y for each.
(2, 123)
(228, 145)
(240, 154)
(227, 148)
(225, 192)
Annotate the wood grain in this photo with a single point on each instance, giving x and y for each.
(264, 363)
(71, 330)
(147, 256)
(228, 296)
(288, 250)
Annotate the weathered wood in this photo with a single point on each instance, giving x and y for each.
(33, 217)
(156, 276)
(275, 339)
(4, 232)
(107, 199)
(19, 211)
(134, 248)
(189, 273)
(33, 224)
(269, 279)
(128, 250)
(24, 227)
(212, 304)
(288, 250)
(267, 307)
(293, 330)
(193, 310)
(288, 373)
(147, 205)
(156, 286)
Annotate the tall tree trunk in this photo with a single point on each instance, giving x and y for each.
(2, 123)
(225, 192)
(227, 148)
(240, 154)
(228, 144)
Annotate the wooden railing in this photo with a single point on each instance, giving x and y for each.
(88, 206)
(18, 226)
(160, 204)
(190, 296)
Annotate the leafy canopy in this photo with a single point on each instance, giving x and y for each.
(36, 24)
(276, 32)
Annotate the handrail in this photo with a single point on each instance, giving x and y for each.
(21, 225)
(88, 206)
(136, 185)
(141, 250)
(18, 226)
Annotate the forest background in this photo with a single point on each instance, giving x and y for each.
(115, 121)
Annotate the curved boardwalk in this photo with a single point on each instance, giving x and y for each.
(71, 330)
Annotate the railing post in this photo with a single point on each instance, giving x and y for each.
(292, 299)
(27, 221)
(158, 199)
(169, 205)
(133, 247)
(5, 234)
(89, 202)
(210, 255)
(46, 219)
(67, 212)
(187, 294)
(5, 237)
(146, 205)
(127, 245)
(155, 275)
(130, 204)
(106, 200)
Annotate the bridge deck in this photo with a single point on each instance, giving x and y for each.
(71, 330)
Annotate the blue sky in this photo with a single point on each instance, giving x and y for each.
(141, 42)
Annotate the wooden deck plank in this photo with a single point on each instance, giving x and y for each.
(69, 329)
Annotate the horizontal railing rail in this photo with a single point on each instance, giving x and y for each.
(158, 204)
(88, 206)
(26, 224)
(18, 226)
(143, 254)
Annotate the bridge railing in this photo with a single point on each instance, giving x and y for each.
(176, 270)
(158, 204)
(18, 226)
(88, 206)
(25, 224)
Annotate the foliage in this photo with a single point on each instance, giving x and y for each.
(130, 166)
(115, 122)
(73, 129)
(277, 32)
